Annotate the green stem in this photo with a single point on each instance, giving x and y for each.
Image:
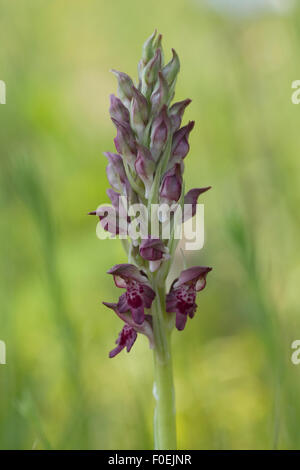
(163, 390)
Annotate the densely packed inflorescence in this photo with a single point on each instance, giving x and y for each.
(148, 168)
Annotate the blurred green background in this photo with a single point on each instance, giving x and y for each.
(236, 387)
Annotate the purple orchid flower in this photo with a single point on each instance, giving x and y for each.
(128, 334)
(139, 294)
(182, 295)
(126, 338)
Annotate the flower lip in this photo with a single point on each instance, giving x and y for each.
(126, 339)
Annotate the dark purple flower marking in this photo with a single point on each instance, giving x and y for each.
(182, 296)
(139, 294)
(126, 338)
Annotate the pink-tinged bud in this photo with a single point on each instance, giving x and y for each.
(171, 185)
(150, 73)
(142, 105)
(176, 113)
(125, 87)
(170, 71)
(125, 141)
(115, 171)
(117, 109)
(180, 144)
(139, 113)
(159, 133)
(160, 94)
(152, 249)
(190, 202)
(145, 167)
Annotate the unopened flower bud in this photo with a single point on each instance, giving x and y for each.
(159, 133)
(152, 249)
(180, 144)
(148, 49)
(160, 94)
(176, 112)
(157, 44)
(125, 87)
(117, 109)
(115, 171)
(150, 73)
(171, 185)
(145, 167)
(138, 113)
(125, 141)
(171, 70)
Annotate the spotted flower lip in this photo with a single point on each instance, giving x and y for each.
(139, 294)
(126, 339)
(145, 328)
(182, 296)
